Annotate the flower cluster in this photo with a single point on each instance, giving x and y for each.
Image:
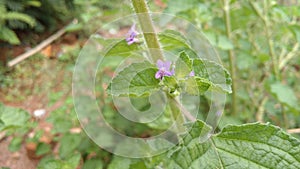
(164, 69)
(131, 35)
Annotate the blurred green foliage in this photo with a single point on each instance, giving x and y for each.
(37, 15)
(260, 29)
(264, 38)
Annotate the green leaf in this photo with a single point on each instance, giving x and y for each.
(21, 17)
(183, 66)
(74, 27)
(93, 164)
(170, 82)
(217, 74)
(42, 149)
(196, 85)
(296, 31)
(13, 118)
(68, 143)
(119, 163)
(74, 160)
(174, 42)
(115, 47)
(164, 121)
(199, 68)
(177, 6)
(138, 79)
(52, 164)
(285, 95)
(15, 144)
(34, 3)
(121, 48)
(224, 43)
(9, 35)
(245, 146)
(126, 163)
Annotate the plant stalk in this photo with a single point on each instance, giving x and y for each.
(185, 112)
(264, 17)
(152, 42)
(232, 68)
(176, 114)
(141, 9)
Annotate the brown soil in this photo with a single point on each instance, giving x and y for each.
(15, 160)
(47, 81)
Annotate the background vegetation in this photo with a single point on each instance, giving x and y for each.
(257, 40)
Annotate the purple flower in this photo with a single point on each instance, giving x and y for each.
(164, 69)
(192, 73)
(131, 35)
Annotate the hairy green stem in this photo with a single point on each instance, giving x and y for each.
(150, 36)
(185, 112)
(176, 109)
(232, 68)
(141, 9)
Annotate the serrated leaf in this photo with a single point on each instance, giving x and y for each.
(235, 147)
(138, 79)
(200, 68)
(196, 85)
(183, 66)
(217, 74)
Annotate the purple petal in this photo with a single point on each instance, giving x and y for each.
(158, 75)
(132, 33)
(160, 64)
(167, 65)
(128, 39)
(192, 74)
(130, 42)
(167, 73)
